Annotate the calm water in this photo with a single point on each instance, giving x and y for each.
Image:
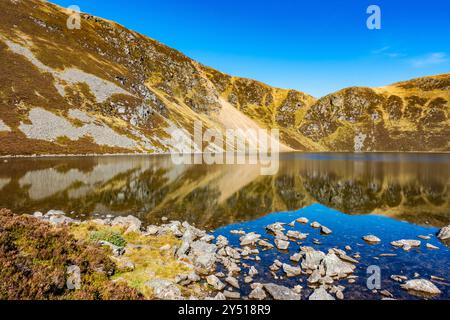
(395, 196)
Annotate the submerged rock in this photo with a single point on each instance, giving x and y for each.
(281, 293)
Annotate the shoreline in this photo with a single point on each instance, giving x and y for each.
(200, 265)
(46, 156)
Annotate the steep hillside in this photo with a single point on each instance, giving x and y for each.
(408, 116)
(104, 88)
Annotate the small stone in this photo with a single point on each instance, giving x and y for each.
(278, 226)
(253, 272)
(340, 295)
(281, 244)
(232, 282)
(165, 247)
(281, 293)
(326, 231)
(296, 235)
(291, 271)
(444, 233)
(265, 244)
(215, 282)
(232, 295)
(258, 294)
(431, 247)
(298, 289)
(372, 239)
(421, 285)
(321, 294)
(424, 237)
(296, 257)
(348, 248)
(248, 279)
(249, 239)
(386, 294)
(302, 220)
(315, 225)
(406, 244)
(237, 232)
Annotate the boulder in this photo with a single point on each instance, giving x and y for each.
(258, 294)
(421, 286)
(249, 239)
(282, 244)
(302, 220)
(215, 282)
(444, 233)
(312, 258)
(130, 223)
(291, 271)
(334, 266)
(203, 256)
(164, 289)
(372, 239)
(321, 294)
(326, 231)
(406, 244)
(296, 235)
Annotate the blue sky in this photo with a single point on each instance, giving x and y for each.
(316, 46)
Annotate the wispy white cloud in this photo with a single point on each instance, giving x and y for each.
(387, 52)
(430, 59)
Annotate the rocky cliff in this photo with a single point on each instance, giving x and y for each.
(106, 89)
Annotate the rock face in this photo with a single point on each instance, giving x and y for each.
(281, 293)
(421, 286)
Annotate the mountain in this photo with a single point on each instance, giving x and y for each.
(106, 89)
(407, 116)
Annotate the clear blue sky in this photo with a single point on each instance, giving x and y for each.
(317, 46)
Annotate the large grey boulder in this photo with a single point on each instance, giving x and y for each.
(321, 294)
(203, 256)
(311, 258)
(280, 292)
(164, 289)
(334, 266)
(131, 223)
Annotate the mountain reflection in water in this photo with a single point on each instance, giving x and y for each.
(410, 187)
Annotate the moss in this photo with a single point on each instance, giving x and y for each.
(110, 236)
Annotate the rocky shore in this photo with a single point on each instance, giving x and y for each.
(176, 260)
